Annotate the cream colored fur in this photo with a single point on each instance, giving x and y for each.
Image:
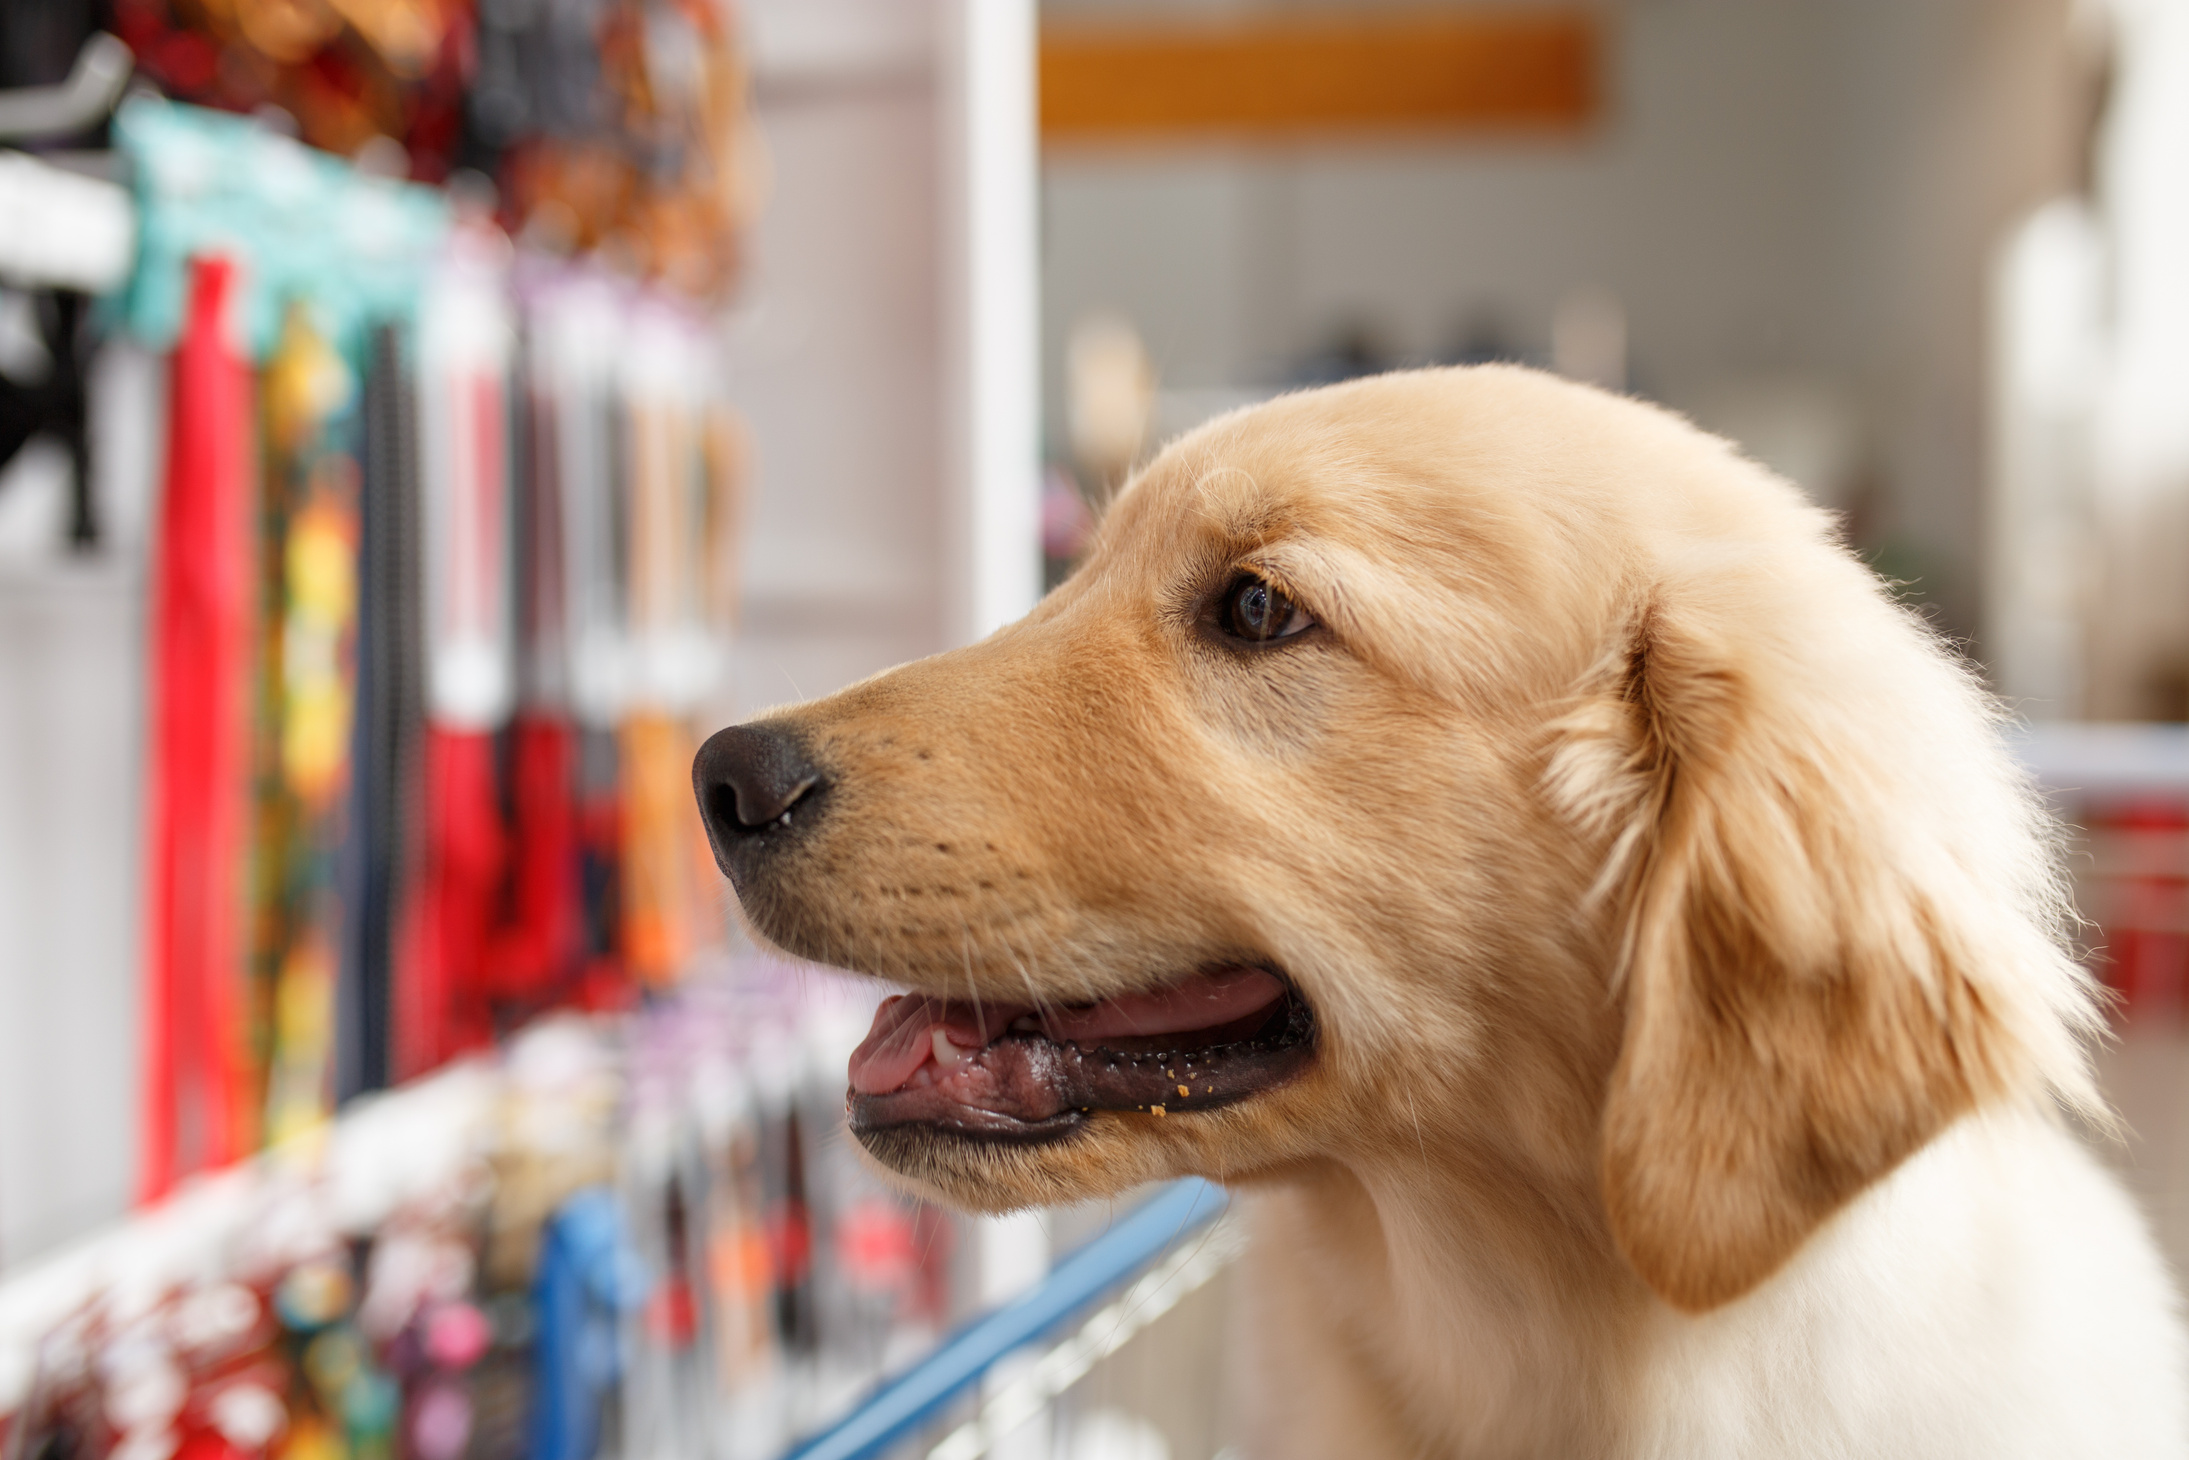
(1695, 1025)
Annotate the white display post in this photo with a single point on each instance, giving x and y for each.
(992, 310)
(884, 350)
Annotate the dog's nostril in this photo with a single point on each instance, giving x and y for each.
(720, 806)
(750, 777)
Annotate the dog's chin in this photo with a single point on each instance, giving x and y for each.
(1101, 1155)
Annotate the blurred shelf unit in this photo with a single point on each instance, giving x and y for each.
(649, 1233)
(881, 350)
(1261, 74)
(2123, 790)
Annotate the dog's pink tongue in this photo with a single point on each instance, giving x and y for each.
(903, 1036)
(1201, 1002)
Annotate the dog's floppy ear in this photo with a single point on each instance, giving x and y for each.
(1817, 978)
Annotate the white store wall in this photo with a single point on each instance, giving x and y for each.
(70, 700)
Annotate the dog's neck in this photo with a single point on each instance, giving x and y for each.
(1473, 1293)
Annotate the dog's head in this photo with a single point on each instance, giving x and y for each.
(1458, 766)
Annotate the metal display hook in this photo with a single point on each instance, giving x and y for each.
(93, 87)
(70, 233)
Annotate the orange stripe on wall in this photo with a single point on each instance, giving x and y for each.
(1290, 76)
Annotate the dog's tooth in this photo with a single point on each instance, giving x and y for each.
(948, 1055)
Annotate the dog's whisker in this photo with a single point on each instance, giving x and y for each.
(1019, 964)
(1420, 1143)
(1043, 1005)
(972, 993)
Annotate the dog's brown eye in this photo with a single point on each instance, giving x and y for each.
(1254, 611)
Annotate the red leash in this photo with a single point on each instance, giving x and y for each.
(445, 998)
(200, 752)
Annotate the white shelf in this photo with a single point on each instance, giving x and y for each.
(2106, 759)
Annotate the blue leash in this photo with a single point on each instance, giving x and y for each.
(900, 1405)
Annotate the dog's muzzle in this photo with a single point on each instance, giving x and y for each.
(1216, 1031)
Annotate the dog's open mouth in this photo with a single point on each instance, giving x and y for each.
(1014, 1073)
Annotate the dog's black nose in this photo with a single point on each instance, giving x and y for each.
(751, 779)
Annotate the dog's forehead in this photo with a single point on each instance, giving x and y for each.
(1253, 483)
(1471, 450)
(1494, 496)
(1485, 472)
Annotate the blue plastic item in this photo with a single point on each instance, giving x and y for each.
(587, 1280)
(304, 225)
(902, 1404)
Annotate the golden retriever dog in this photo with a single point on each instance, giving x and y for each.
(1505, 834)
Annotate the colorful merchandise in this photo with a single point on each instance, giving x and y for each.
(493, 574)
(195, 1086)
(390, 713)
(2135, 886)
(586, 1284)
(310, 539)
(467, 346)
(428, 632)
(303, 225)
(642, 1234)
(607, 125)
